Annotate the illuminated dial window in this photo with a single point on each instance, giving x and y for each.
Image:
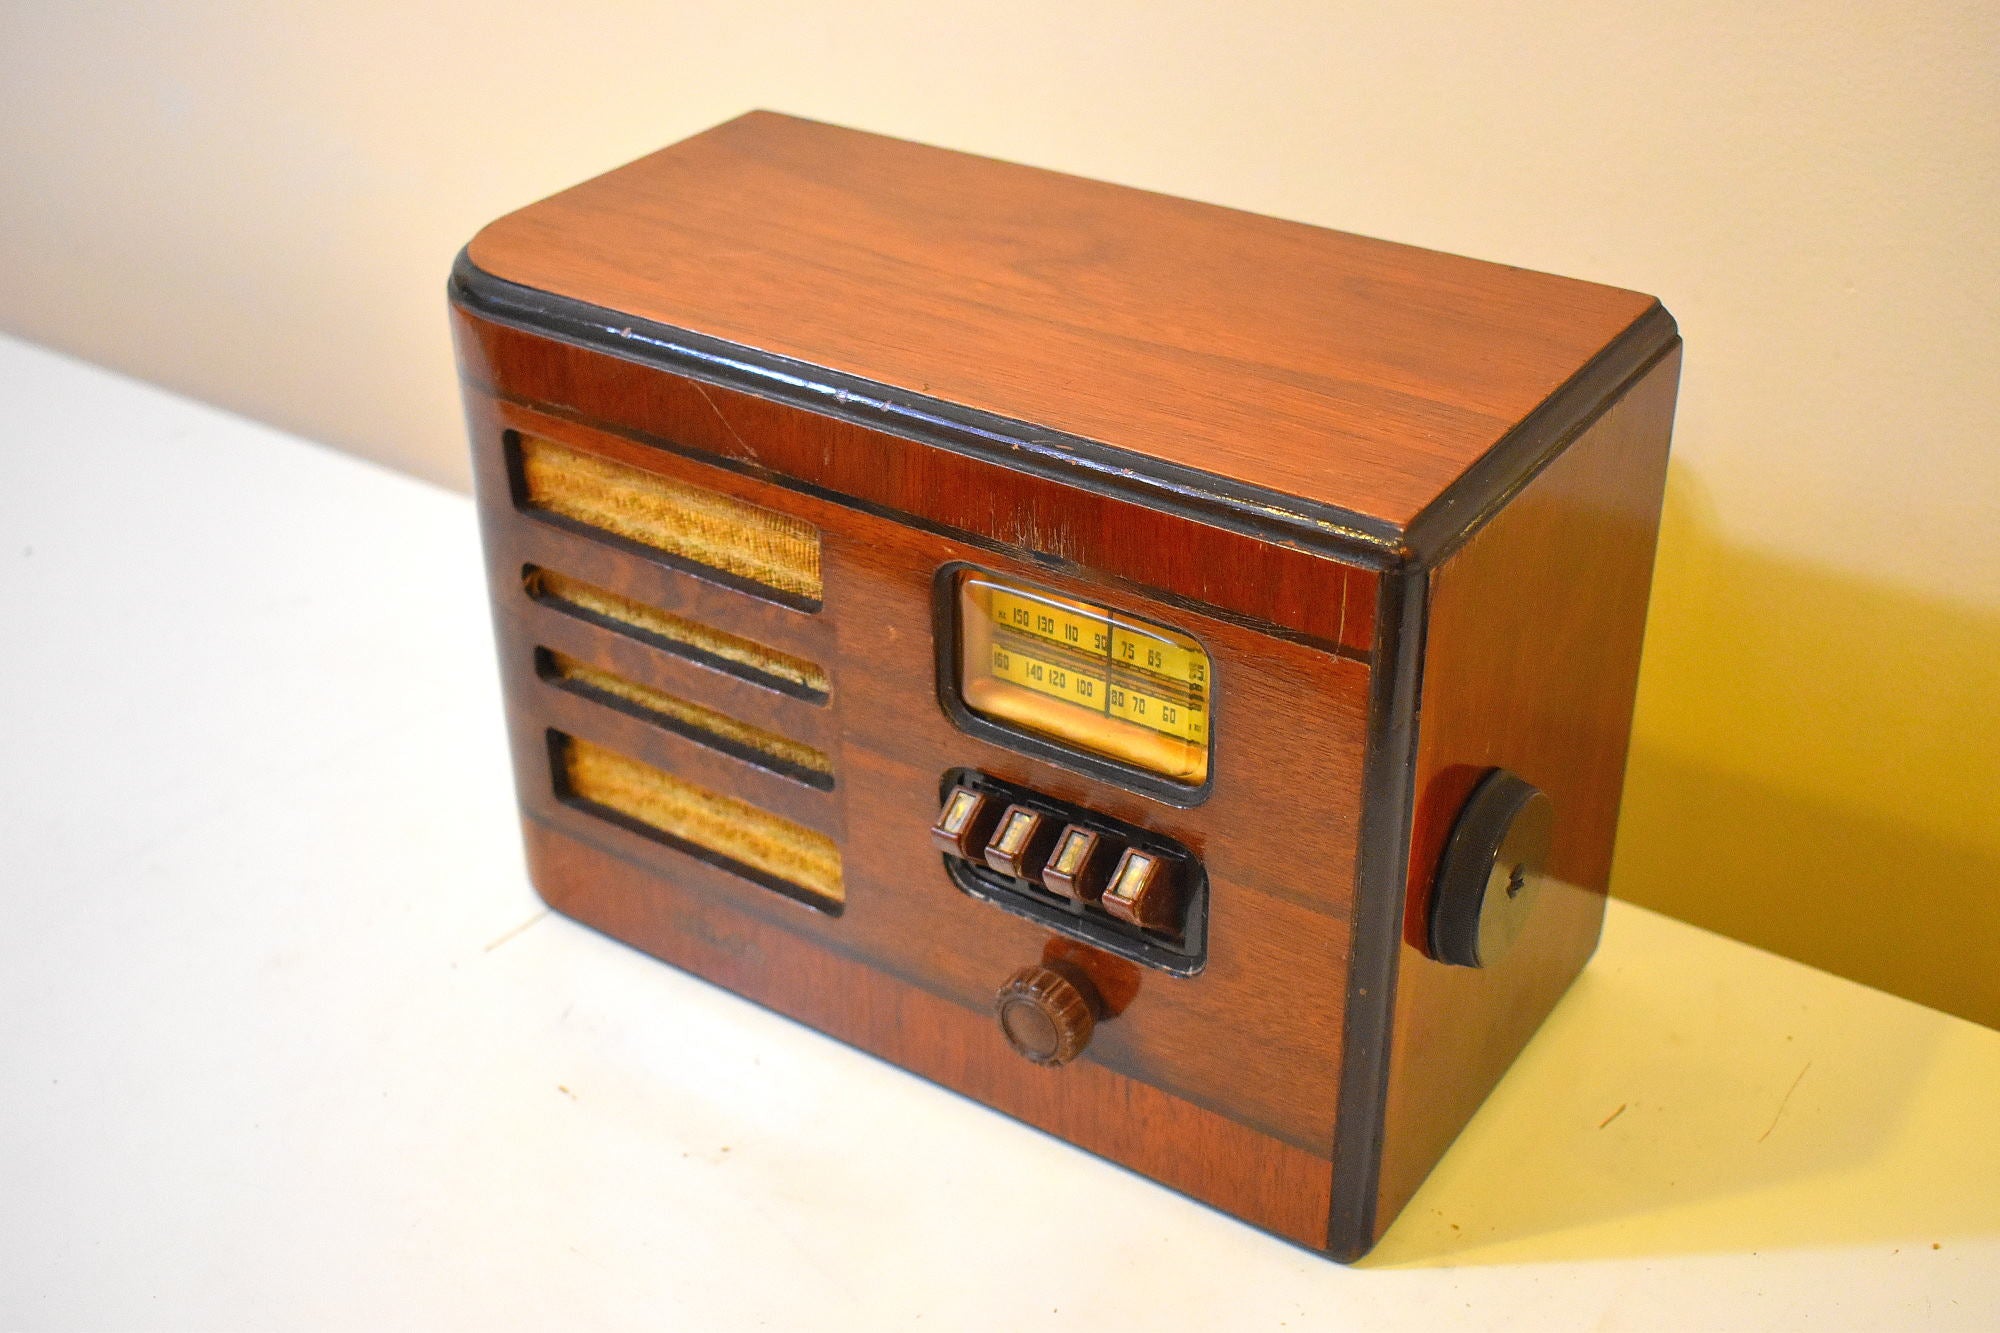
(1085, 675)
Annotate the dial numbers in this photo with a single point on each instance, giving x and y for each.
(1086, 675)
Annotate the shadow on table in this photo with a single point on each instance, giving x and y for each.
(1728, 1107)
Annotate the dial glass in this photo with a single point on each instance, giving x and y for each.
(1085, 675)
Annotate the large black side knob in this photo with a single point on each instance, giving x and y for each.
(1491, 871)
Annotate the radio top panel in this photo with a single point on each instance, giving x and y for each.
(1338, 386)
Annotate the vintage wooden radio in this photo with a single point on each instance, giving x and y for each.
(1162, 672)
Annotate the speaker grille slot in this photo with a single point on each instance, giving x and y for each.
(767, 749)
(713, 647)
(702, 527)
(734, 835)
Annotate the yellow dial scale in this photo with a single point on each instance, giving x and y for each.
(1083, 674)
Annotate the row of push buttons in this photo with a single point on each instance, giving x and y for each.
(1086, 865)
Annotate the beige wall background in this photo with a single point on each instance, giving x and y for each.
(257, 204)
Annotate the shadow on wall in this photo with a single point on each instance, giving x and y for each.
(1816, 767)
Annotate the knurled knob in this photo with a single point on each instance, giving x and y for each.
(1047, 1014)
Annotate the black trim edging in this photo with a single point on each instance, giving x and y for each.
(1020, 445)
(1381, 875)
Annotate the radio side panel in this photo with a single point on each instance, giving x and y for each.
(1224, 1084)
(1530, 663)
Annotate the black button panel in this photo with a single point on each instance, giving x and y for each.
(1112, 885)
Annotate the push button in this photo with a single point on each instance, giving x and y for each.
(962, 825)
(1021, 842)
(1142, 890)
(1077, 869)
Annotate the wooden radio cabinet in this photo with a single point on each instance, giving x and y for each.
(1162, 672)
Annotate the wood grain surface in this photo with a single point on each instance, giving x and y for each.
(1342, 370)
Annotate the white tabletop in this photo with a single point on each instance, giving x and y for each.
(286, 1039)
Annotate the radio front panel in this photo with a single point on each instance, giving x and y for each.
(647, 751)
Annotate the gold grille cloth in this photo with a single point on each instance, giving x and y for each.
(719, 531)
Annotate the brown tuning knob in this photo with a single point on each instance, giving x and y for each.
(1047, 1013)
